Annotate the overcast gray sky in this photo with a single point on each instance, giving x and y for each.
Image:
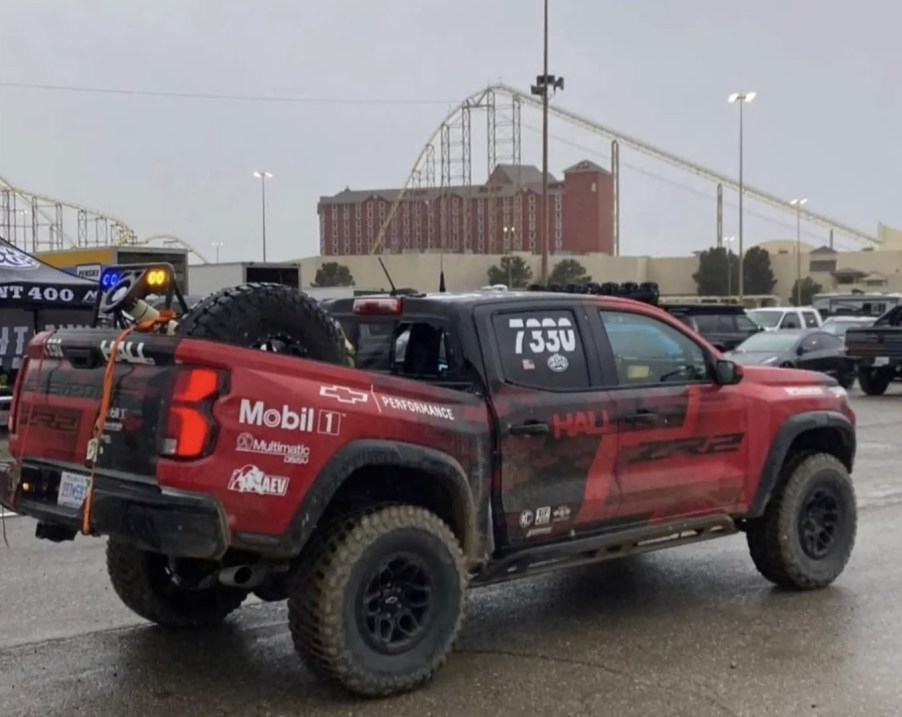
(826, 123)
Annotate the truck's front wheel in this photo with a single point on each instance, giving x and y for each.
(874, 381)
(379, 600)
(148, 586)
(806, 535)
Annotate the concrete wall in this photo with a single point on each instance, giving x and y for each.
(673, 274)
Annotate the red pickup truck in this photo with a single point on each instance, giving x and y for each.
(477, 438)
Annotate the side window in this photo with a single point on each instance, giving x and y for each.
(726, 323)
(706, 323)
(810, 319)
(649, 351)
(827, 341)
(541, 349)
(811, 343)
(791, 321)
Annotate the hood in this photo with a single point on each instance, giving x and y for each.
(757, 357)
(776, 376)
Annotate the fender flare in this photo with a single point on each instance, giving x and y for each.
(789, 430)
(367, 453)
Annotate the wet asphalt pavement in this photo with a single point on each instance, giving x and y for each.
(690, 631)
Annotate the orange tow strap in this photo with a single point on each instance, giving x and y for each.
(93, 452)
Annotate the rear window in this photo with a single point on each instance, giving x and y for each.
(810, 319)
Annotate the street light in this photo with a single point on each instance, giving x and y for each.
(508, 243)
(544, 82)
(727, 241)
(263, 176)
(217, 245)
(798, 204)
(741, 98)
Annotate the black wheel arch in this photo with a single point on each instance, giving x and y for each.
(828, 431)
(372, 455)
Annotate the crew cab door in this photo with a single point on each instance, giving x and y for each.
(555, 444)
(682, 439)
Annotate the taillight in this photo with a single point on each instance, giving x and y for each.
(17, 391)
(190, 429)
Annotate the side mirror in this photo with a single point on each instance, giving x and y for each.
(800, 350)
(726, 372)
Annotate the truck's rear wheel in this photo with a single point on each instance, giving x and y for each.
(873, 381)
(806, 535)
(271, 317)
(379, 600)
(147, 585)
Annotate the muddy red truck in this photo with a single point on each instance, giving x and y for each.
(383, 454)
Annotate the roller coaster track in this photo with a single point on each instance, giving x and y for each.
(44, 219)
(750, 192)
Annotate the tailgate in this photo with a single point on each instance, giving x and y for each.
(874, 342)
(58, 399)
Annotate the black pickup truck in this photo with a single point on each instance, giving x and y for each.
(877, 349)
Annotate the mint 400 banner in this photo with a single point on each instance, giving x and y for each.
(43, 295)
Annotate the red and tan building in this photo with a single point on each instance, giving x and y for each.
(503, 215)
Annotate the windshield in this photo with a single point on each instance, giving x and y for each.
(765, 317)
(839, 328)
(767, 343)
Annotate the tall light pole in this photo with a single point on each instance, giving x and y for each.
(217, 245)
(741, 98)
(727, 241)
(544, 82)
(263, 176)
(798, 204)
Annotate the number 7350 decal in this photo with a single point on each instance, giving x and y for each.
(545, 335)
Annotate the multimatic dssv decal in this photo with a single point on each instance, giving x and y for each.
(691, 446)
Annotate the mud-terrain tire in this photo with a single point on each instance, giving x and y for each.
(806, 535)
(390, 554)
(254, 315)
(873, 382)
(142, 583)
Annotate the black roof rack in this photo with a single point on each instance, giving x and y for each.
(646, 292)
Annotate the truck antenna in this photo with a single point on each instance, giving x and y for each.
(388, 276)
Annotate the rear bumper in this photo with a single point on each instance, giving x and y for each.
(173, 523)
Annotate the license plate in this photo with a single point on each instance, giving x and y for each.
(881, 361)
(73, 490)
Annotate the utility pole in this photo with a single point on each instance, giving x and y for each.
(263, 176)
(798, 204)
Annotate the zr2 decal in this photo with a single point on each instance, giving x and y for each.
(692, 446)
(545, 335)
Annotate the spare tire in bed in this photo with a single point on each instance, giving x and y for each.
(270, 317)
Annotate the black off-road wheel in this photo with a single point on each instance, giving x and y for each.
(148, 585)
(270, 317)
(806, 535)
(379, 600)
(873, 381)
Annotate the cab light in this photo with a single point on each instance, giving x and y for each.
(380, 306)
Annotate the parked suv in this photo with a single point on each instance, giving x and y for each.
(775, 318)
(724, 325)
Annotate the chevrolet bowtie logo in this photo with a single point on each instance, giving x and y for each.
(343, 394)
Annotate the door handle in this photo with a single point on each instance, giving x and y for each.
(529, 428)
(643, 416)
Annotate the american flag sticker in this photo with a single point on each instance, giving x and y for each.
(528, 365)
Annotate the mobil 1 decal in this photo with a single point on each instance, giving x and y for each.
(544, 338)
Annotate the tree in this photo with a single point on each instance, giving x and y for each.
(809, 287)
(711, 279)
(568, 271)
(511, 270)
(331, 273)
(757, 272)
